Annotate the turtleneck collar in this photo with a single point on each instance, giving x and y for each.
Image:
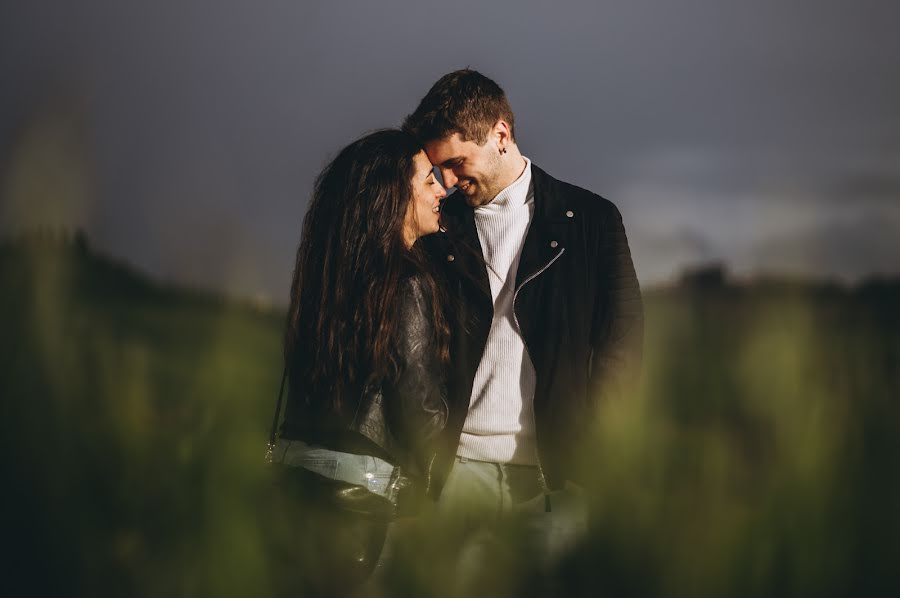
(515, 194)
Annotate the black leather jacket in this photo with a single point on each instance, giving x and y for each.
(397, 421)
(577, 303)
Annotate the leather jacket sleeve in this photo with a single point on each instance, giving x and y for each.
(417, 400)
(618, 327)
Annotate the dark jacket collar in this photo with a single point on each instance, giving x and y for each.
(545, 238)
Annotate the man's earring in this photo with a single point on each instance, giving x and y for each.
(502, 150)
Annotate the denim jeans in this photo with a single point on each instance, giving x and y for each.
(364, 470)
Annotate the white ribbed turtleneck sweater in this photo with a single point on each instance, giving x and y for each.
(500, 423)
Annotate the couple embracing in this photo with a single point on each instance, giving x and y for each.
(447, 352)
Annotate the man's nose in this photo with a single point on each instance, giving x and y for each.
(449, 178)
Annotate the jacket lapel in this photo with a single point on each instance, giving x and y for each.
(463, 252)
(544, 241)
(547, 233)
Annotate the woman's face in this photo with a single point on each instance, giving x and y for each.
(423, 215)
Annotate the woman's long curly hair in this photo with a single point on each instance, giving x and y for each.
(344, 316)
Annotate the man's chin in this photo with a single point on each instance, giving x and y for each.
(477, 200)
(472, 195)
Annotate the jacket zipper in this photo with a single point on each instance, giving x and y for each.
(537, 452)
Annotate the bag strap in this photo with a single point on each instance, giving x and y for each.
(271, 446)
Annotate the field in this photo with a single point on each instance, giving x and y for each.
(760, 459)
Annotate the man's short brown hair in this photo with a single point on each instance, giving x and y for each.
(464, 102)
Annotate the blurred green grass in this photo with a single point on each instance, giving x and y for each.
(760, 458)
(134, 422)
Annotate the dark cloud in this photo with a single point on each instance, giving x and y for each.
(884, 185)
(835, 249)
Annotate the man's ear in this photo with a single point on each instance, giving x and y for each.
(502, 133)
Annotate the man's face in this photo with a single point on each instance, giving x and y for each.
(473, 169)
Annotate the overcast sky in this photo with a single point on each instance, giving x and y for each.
(185, 136)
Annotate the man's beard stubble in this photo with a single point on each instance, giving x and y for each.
(489, 186)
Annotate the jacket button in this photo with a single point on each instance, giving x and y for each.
(570, 214)
(451, 257)
(553, 244)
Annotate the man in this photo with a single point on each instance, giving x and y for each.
(548, 312)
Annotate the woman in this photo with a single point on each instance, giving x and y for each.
(366, 337)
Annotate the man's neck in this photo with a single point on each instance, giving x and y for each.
(515, 168)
